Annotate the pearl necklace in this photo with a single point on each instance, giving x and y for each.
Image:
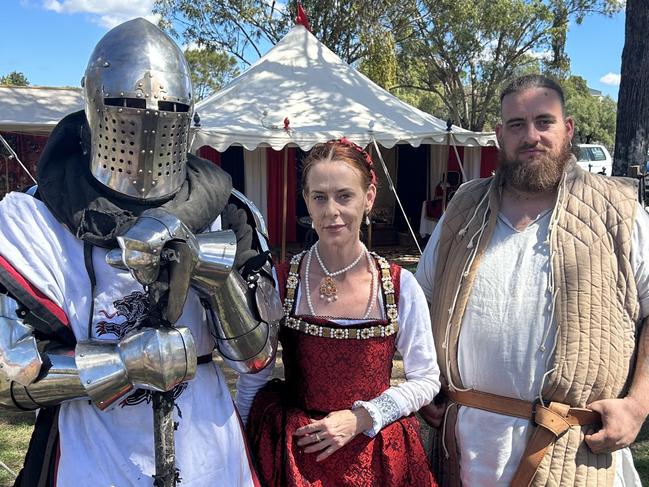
(373, 289)
(328, 289)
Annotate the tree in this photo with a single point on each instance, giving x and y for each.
(594, 116)
(15, 78)
(380, 61)
(246, 28)
(469, 49)
(458, 51)
(210, 70)
(632, 131)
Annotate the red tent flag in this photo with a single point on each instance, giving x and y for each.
(302, 18)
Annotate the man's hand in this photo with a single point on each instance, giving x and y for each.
(433, 414)
(142, 245)
(159, 358)
(621, 422)
(333, 431)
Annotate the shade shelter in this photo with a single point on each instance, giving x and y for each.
(27, 116)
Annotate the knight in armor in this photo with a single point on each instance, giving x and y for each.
(128, 267)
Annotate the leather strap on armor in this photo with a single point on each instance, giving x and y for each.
(551, 422)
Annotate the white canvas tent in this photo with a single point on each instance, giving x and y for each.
(322, 97)
(299, 94)
(36, 109)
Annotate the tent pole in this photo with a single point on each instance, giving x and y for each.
(394, 190)
(445, 173)
(459, 160)
(284, 205)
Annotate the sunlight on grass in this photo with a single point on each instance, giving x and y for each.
(15, 431)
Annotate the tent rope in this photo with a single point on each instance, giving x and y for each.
(11, 472)
(394, 190)
(13, 155)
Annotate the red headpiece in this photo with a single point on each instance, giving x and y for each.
(366, 157)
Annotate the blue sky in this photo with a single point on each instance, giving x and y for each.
(50, 41)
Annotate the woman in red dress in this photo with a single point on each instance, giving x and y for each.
(336, 420)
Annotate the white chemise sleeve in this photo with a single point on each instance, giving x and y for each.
(249, 384)
(639, 253)
(415, 344)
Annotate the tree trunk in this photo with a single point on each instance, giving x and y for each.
(632, 131)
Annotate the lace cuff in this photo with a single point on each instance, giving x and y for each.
(383, 410)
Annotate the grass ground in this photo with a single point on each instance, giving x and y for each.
(15, 428)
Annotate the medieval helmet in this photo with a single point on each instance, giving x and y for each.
(139, 104)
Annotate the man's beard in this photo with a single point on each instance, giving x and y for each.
(539, 175)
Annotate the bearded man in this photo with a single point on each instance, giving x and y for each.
(538, 294)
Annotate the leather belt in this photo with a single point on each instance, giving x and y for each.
(550, 422)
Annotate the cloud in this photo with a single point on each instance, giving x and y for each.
(107, 13)
(542, 55)
(611, 79)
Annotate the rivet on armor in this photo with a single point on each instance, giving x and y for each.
(106, 64)
(120, 110)
(151, 152)
(140, 84)
(121, 93)
(139, 95)
(134, 182)
(142, 151)
(140, 171)
(88, 382)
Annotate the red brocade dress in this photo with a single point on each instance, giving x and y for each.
(327, 368)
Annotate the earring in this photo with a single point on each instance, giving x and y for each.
(312, 225)
(367, 219)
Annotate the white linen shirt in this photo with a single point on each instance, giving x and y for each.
(506, 342)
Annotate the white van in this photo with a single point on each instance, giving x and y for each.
(595, 158)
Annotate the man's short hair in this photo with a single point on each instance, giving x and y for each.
(532, 81)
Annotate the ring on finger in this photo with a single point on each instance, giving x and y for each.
(317, 438)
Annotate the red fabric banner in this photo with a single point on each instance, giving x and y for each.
(275, 176)
(210, 153)
(28, 147)
(488, 161)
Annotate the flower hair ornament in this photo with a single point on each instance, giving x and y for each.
(366, 157)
